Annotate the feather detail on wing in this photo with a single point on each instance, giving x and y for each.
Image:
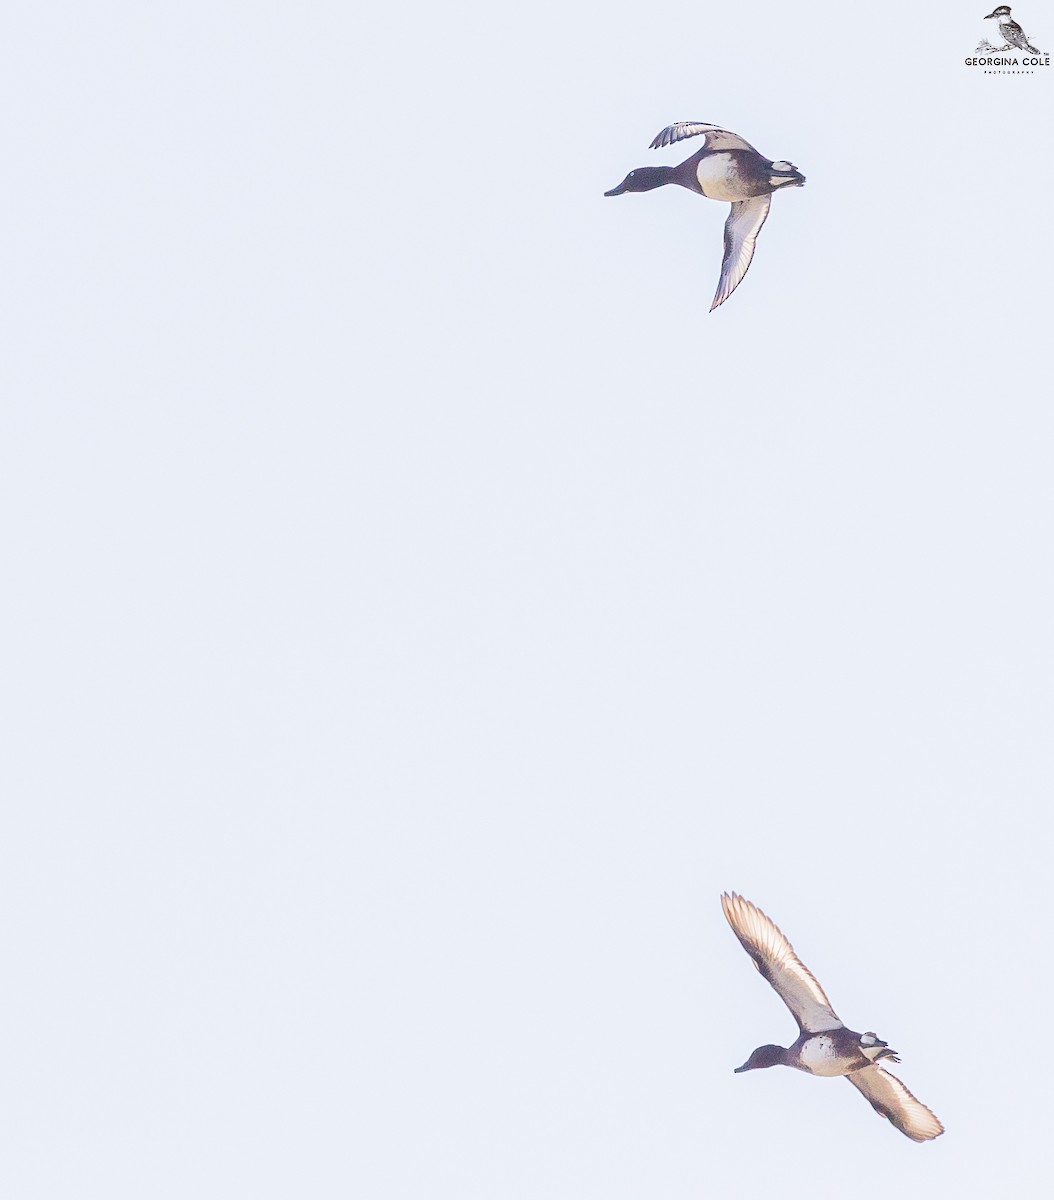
(741, 234)
(774, 957)
(891, 1099)
(716, 137)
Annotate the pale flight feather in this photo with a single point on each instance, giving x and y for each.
(741, 235)
(774, 957)
(716, 137)
(891, 1099)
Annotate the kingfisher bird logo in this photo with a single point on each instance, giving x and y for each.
(1016, 52)
(1011, 32)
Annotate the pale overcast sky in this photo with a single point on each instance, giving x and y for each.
(419, 607)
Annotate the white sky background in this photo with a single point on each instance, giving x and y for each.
(418, 607)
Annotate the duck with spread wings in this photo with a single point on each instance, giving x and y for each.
(825, 1046)
(727, 168)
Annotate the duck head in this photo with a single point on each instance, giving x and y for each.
(764, 1056)
(643, 179)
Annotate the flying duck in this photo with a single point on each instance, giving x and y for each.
(825, 1046)
(729, 169)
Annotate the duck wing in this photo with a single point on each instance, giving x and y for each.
(716, 137)
(741, 234)
(891, 1099)
(774, 957)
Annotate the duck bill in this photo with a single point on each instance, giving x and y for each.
(617, 191)
(740, 1070)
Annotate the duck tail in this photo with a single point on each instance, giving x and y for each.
(785, 174)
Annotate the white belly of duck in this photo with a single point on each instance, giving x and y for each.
(719, 178)
(820, 1056)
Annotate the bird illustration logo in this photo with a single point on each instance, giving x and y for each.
(1011, 32)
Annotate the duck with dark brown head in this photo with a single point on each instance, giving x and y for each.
(728, 168)
(824, 1046)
